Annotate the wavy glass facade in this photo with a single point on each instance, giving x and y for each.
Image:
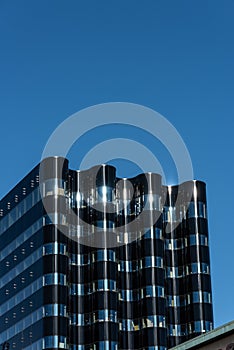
(102, 262)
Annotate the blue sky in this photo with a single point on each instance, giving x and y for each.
(176, 57)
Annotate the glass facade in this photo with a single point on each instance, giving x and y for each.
(91, 261)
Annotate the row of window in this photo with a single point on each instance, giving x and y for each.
(124, 294)
(31, 259)
(55, 310)
(84, 230)
(189, 210)
(22, 295)
(99, 255)
(101, 345)
(182, 271)
(52, 187)
(180, 243)
(178, 330)
(34, 346)
(88, 288)
(14, 314)
(146, 233)
(20, 239)
(183, 300)
(18, 211)
(106, 194)
(111, 316)
(104, 315)
(107, 345)
(138, 294)
(81, 289)
(54, 248)
(54, 278)
(146, 322)
(22, 324)
(135, 265)
(54, 341)
(54, 219)
(110, 255)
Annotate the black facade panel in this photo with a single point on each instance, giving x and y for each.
(55, 294)
(55, 325)
(104, 300)
(55, 263)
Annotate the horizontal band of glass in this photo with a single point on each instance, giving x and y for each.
(54, 341)
(175, 244)
(196, 210)
(34, 346)
(111, 346)
(152, 201)
(182, 271)
(198, 268)
(153, 233)
(54, 279)
(17, 212)
(145, 292)
(54, 310)
(136, 265)
(171, 214)
(201, 297)
(99, 255)
(198, 240)
(53, 187)
(80, 259)
(103, 255)
(88, 288)
(81, 347)
(22, 266)
(177, 330)
(180, 243)
(21, 296)
(54, 248)
(101, 345)
(145, 322)
(22, 325)
(156, 347)
(100, 194)
(201, 326)
(21, 239)
(54, 219)
(121, 237)
(110, 285)
(147, 233)
(104, 315)
(104, 194)
(183, 300)
(110, 255)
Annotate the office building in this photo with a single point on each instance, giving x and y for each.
(92, 261)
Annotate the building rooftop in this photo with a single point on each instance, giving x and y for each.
(207, 338)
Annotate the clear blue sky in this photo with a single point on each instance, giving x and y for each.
(177, 57)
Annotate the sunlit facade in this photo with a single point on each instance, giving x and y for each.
(102, 262)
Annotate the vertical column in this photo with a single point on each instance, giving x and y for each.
(103, 260)
(80, 305)
(200, 315)
(53, 174)
(151, 261)
(128, 274)
(175, 257)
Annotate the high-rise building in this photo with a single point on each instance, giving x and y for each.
(92, 261)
